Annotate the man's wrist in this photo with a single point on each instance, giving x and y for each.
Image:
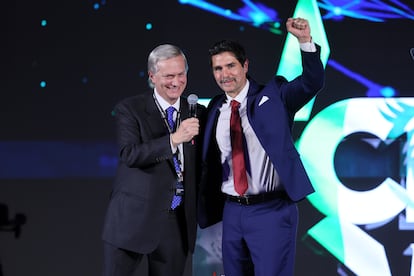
(173, 144)
(305, 39)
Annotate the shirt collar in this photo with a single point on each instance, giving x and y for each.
(242, 95)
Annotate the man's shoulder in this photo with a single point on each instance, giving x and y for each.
(138, 99)
(132, 104)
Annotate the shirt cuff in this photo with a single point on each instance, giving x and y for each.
(308, 46)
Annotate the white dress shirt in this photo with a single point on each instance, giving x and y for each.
(262, 176)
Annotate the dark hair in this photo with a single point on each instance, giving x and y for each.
(229, 46)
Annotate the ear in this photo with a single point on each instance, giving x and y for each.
(151, 76)
(246, 66)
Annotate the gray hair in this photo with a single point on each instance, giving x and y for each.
(163, 52)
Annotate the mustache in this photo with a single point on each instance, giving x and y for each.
(227, 79)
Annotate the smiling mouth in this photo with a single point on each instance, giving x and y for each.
(174, 87)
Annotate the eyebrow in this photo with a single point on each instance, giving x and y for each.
(177, 74)
(231, 64)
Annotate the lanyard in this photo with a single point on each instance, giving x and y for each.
(164, 115)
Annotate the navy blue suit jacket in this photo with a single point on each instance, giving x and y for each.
(270, 110)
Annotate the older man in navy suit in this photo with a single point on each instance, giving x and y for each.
(151, 215)
(252, 174)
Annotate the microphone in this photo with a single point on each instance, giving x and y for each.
(192, 109)
(192, 105)
(412, 52)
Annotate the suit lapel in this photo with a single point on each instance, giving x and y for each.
(183, 108)
(211, 123)
(153, 116)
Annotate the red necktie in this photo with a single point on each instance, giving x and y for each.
(236, 136)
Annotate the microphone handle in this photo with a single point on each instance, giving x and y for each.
(192, 113)
(192, 110)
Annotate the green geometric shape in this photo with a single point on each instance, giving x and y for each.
(328, 233)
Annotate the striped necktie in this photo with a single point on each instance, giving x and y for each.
(177, 198)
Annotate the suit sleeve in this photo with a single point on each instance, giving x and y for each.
(303, 88)
(139, 144)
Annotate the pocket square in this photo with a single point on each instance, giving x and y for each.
(263, 100)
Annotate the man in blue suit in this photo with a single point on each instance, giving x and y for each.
(260, 220)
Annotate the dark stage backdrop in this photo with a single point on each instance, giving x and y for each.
(65, 64)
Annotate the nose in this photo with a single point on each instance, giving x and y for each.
(177, 80)
(225, 72)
